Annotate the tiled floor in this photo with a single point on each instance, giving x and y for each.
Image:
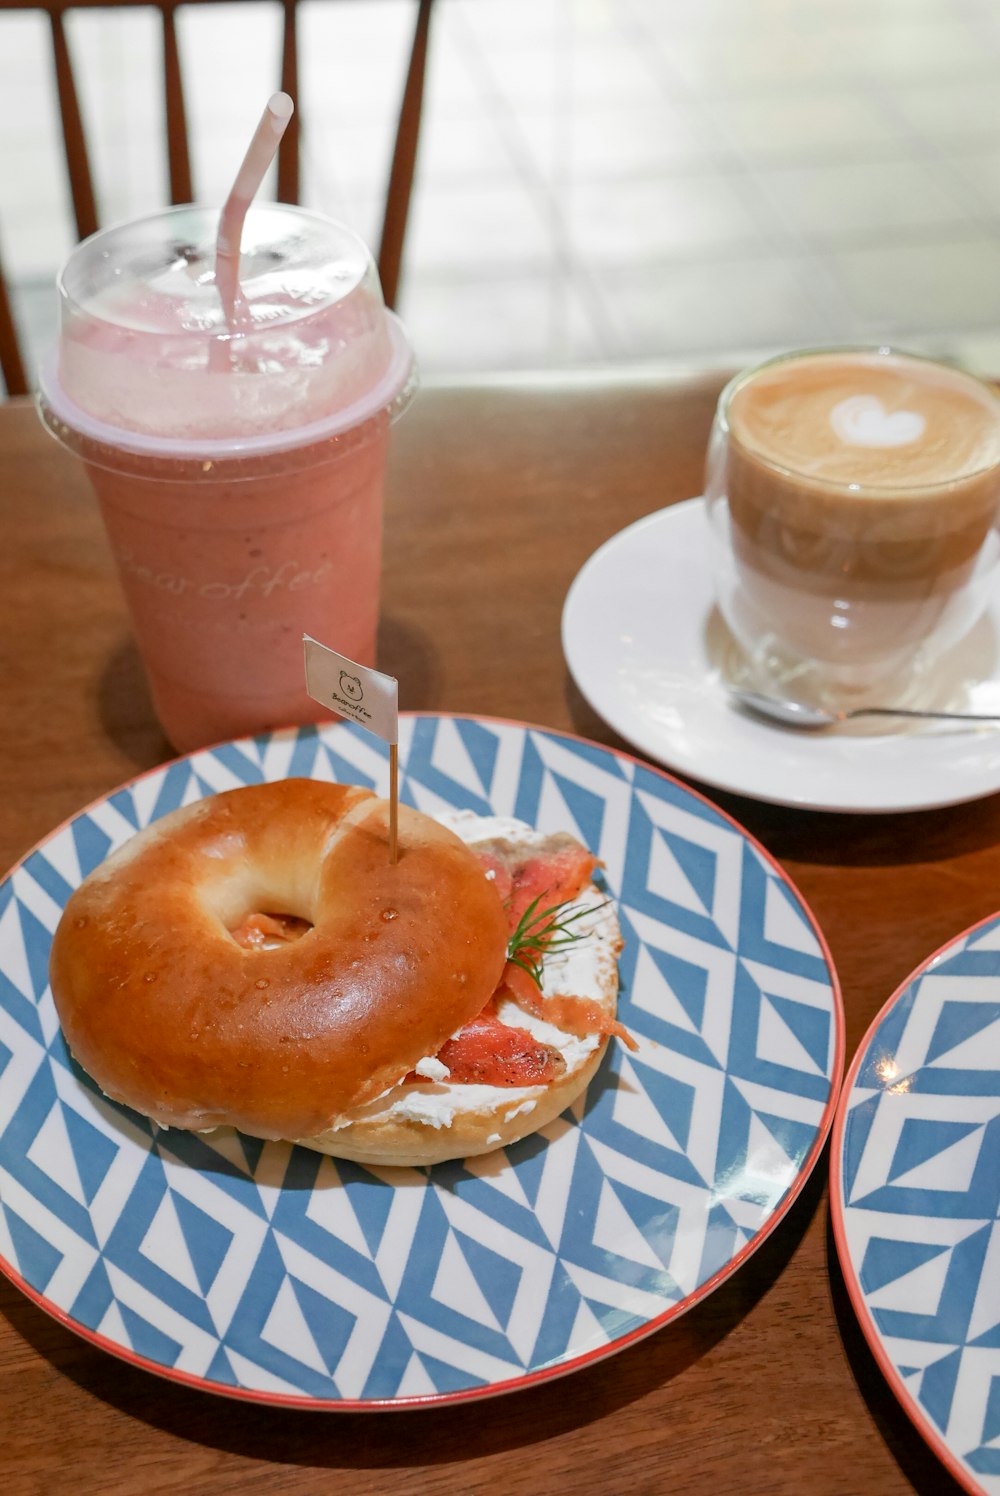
(682, 181)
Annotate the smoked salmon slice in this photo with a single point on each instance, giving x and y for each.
(574, 1015)
(538, 886)
(259, 932)
(487, 1052)
(548, 879)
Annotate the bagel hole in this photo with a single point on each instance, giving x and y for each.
(269, 930)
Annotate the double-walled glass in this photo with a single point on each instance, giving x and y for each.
(853, 498)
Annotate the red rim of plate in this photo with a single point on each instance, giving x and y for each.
(927, 1430)
(545, 1373)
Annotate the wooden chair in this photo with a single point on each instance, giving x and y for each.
(400, 184)
(11, 364)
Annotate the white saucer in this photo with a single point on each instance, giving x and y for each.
(651, 655)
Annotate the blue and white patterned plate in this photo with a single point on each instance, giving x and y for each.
(272, 1273)
(915, 1200)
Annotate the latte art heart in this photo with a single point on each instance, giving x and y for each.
(863, 421)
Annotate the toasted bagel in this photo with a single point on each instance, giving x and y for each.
(172, 1016)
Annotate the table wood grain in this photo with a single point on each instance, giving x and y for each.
(499, 491)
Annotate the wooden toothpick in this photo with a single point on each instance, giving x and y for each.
(393, 802)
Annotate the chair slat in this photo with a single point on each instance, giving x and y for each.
(81, 184)
(178, 154)
(289, 184)
(10, 353)
(397, 204)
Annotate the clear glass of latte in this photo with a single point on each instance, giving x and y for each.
(853, 498)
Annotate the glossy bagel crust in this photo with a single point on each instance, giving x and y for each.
(171, 1016)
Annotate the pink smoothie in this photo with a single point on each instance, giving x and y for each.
(240, 477)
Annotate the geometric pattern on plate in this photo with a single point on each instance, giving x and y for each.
(919, 1200)
(275, 1273)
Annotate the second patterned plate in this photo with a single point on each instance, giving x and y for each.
(915, 1200)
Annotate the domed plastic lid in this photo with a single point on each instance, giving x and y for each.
(146, 359)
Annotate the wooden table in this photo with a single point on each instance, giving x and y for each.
(499, 492)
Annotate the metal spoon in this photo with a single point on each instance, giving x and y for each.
(797, 714)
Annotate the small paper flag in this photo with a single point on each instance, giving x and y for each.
(351, 690)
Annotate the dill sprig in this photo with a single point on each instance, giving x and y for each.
(541, 930)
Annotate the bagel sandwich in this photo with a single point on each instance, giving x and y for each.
(256, 960)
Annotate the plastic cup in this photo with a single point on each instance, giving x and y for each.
(239, 472)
